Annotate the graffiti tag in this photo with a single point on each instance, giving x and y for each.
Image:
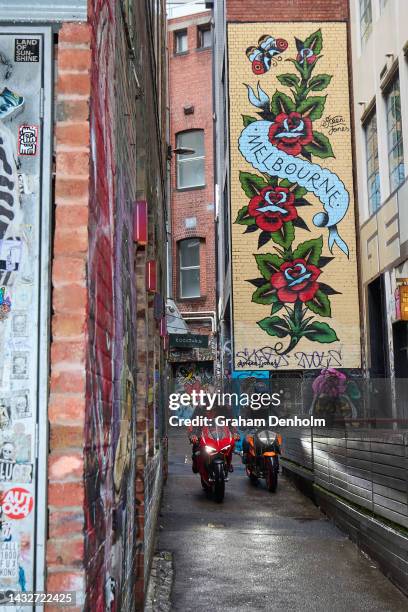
(260, 358)
(318, 359)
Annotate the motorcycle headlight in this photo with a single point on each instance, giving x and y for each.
(209, 449)
(267, 437)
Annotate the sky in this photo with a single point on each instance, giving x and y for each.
(178, 8)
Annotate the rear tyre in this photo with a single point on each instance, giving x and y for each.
(271, 477)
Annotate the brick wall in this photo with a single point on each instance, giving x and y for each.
(286, 10)
(105, 410)
(190, 84)
(67, 404)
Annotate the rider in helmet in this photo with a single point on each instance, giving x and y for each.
(195, 431)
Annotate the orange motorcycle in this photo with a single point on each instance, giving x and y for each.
(260, 456)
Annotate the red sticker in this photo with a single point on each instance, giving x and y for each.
(27, 139)
(17, 503)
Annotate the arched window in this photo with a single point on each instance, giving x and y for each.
(190, 165)
(189, 267)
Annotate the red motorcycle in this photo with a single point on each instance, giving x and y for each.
(214, 456)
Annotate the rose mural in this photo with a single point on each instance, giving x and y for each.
(291, 279)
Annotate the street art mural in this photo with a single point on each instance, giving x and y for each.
(292, 209)
(20, 240)
(189, 377)
(114, 539)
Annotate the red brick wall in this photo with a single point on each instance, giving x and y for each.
(106, 351)
(190, 84)
(287, 10)
(67, 403)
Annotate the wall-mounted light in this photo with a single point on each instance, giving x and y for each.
(178, 151)
(140, 222)
(151, 276)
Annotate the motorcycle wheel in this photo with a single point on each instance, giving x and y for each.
(271, 477)
(251, 476)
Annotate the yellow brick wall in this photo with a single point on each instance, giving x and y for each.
(341, 272)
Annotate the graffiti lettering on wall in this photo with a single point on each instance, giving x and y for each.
(190, 377)
(276, 205)
(271, 358)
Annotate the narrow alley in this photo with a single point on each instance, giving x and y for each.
(257, 548)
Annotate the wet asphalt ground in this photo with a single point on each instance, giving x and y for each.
(261, 551)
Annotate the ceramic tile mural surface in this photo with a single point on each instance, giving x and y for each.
(295, 295)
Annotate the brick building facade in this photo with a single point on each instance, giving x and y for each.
(104, 465)
(192, 176)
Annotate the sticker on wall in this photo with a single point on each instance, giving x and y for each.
(16, 503)
(27, 50)
(20, 403)
(5, 304)
(5, 413)
(28, 140)
(19, 365)
(10, 255)
(9, 560)
(11, 104)
(19, 324)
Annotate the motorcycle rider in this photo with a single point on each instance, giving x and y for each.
(195, 431)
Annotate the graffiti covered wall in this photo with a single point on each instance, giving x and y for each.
(21, 155)
(295, 292)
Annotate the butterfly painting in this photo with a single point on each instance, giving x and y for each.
(264, 56)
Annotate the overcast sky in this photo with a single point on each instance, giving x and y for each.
(178, 8)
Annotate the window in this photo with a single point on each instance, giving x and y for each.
(373, 173)
(190, 166)
(394, 131)
(189, 260)
(181, 41)
(366, 19)
(204, 37)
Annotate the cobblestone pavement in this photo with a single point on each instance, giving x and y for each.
(160, 583)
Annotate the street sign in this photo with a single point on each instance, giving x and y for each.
(188, 341)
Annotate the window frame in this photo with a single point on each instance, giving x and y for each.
(394, 185)
(177, 35)
(182, 268)
(371, 135)
(365, 7)
(180, 159)
(200, 31)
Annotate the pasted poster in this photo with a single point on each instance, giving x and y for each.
(294, 271)
(20, 236)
